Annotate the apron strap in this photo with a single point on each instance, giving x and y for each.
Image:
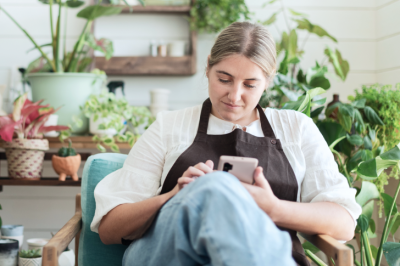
(205, 117)
(265, 125)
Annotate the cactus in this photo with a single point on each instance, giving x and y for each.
(65, 152)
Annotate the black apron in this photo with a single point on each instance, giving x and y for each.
(268, 150)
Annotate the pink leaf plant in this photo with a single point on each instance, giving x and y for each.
(27, 120)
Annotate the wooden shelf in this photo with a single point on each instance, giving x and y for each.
(53, 181)
(81, 142)
(184, 10)
(147, 65)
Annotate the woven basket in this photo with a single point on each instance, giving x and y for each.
(25, 157)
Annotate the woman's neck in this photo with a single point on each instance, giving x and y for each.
(243, 121)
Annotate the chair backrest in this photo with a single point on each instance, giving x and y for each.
(91, 250)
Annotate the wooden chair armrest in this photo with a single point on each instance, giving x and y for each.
(341, 254)
(59, 242)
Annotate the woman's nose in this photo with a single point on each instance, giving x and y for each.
(235, 94)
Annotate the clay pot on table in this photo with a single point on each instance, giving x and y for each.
(66, 166)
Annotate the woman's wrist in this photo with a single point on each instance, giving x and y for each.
(275, 213)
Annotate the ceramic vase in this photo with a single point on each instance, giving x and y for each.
(9, 252)
(66, 166)
(13, 231)
(69, 90)
(37, 243)
(25, 157)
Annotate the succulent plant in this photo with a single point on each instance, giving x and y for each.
(30, 254)
(67, 151)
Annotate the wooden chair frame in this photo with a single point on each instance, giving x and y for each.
(340, 253)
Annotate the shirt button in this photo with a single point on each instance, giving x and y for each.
(273, 141)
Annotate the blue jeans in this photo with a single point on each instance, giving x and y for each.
(212, 221)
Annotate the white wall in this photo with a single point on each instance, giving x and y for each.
(367, 31)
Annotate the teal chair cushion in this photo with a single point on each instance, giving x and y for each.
(91, 250)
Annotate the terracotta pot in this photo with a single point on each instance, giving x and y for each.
(66, 166)
(25, 157)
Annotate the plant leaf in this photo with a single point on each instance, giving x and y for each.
(74, 3)
(368, 192)
(355, 139)
(363, 223)
(271, 19)
(367, 143)
(345, 121)
(95, 11)
(317, 112)
(391, 251)
(340, 65)
(387, 201)
(359, 103)
(372, 116)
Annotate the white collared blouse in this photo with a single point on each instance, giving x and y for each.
(151, 158)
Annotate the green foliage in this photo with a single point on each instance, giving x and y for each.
(118, 115)
(77, 60)
(214, 15)
(67, 151)
(386, 102)
(292, 81)
(30, 254)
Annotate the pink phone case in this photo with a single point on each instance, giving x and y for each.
(241, 167)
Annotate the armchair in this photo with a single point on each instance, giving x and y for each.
(91, 251)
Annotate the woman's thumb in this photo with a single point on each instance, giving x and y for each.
(259, 178)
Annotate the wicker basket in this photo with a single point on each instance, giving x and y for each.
(25, 157)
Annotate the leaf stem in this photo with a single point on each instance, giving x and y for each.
(30, 38)
(78, 46)
(58, 31)
(385, 229)
(314, 258)
(51, 27)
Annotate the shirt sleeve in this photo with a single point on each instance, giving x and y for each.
(138, 179)
(322, 181)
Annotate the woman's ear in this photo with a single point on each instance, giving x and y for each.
(208, 66)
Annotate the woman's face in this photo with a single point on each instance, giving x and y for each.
(235, 88)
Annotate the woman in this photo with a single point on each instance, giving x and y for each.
(216, 220)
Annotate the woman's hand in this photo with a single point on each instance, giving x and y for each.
(262, 193)
(191, 174)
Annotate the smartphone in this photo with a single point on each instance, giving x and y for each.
(241, 167)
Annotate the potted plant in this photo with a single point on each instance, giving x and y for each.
(57, 78)
(66, 163)
(13, 231)
(22, 135)
(110, 116)
(30, 258)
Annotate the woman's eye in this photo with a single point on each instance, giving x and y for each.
(249, 86)
(224, 80)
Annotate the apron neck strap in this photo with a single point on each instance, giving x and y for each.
(205, 117)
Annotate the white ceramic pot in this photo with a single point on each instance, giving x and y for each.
(159, 96)
(177, 48)
(30, 262)
(37, 243)
(67, 258)
(69, 90)
(94, 127)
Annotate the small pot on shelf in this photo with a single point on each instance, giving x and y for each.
(13, 231)
(25, 157)
(9, 252)
(66, 163)
(30, 258)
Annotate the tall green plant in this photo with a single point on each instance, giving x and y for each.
(77, 60)
(212, 16)
(352, 138)
(291, 80)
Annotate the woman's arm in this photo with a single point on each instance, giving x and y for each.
(126, 219)
(311, 218)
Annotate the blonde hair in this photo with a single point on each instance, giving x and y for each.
(251, 40)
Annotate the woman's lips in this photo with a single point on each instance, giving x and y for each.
(231, 106)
